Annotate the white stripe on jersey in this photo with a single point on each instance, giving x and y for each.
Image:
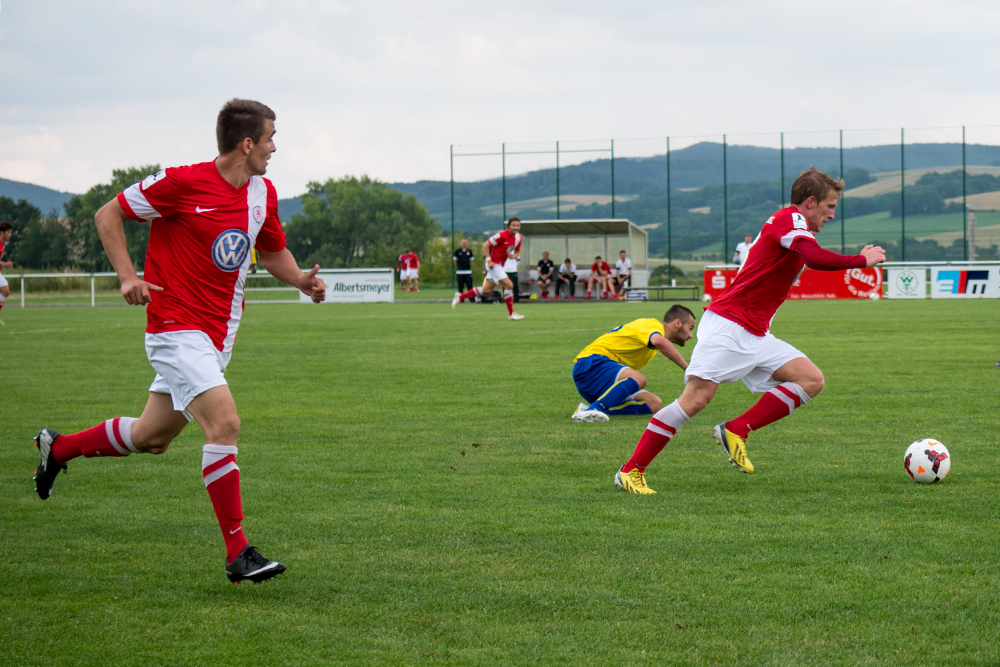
(138, 203)
(256, 196)
(786, 240)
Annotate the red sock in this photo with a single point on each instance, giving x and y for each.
(604, 294)
(661, 429)
(1, 306)
(772, 406)
(588, 294)
(110, 438)
(508, 299)
(222, 481)
(471, 294)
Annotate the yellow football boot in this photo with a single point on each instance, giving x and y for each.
(633, 482)
(734, 446)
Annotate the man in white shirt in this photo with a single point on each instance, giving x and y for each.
(623, 271)
(510, 268)
(567, 276)
(742, 249)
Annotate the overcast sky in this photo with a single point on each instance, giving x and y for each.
(383, 88)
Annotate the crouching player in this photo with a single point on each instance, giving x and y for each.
(607, 374)
(205, 219)
(734, 341)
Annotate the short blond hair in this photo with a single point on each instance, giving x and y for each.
(814, 183)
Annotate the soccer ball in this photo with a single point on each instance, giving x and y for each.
(927, 461)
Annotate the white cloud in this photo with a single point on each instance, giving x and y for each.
(384, 87)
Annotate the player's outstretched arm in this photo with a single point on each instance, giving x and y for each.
(873, 254)
(668, 350)
(282, 266)
(110, 221)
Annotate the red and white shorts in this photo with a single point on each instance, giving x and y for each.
(3, 281)
(726, 352)
(406, 274)
(186, 364)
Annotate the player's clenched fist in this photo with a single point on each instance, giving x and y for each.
(136, 291)
(873, 255)
(313, 286)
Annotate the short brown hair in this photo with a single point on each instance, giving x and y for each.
(677, 312)
(5, 226)
(814, 183)
(238, 120)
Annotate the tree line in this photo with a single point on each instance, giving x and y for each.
(347, 222)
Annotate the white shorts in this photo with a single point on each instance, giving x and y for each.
(3, 281)
(726, 352)
(186, 364)
(496, 274)
(409, 273)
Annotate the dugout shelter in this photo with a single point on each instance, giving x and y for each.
(581, 241)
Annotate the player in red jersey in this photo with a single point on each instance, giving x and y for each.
(414, 263)
(403, 266)
(6, 230)
(497, 249)
(600, 274)
(733, 338)
(204, 221)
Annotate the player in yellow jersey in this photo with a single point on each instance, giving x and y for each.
(607, 374)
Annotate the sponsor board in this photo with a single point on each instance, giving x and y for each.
(356, 286)
(636, 295)
(907, 283)
(811, 284)
(965, 282)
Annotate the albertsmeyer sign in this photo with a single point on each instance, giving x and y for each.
(356, 286)
(811, 284)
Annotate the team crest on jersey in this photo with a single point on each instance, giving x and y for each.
(153, 178)
(799, 221)
(258, 214)
(230, 249)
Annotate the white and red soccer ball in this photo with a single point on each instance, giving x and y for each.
(927, 461)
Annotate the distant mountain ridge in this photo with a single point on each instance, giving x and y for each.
(44, 198)
(697, 166)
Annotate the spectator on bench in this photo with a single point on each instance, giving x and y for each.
(600, 274)
(623, 267)
(567, 276)
(545, 275)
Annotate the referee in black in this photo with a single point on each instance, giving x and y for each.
(463, 266)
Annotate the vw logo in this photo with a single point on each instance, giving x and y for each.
(230, 249)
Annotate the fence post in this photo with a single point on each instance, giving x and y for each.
(22, 290)
(612, 179)
(782, 170)
(558, 212)
(92, 304)
(451, 155)
(503, 153)
(965, 206)
(842, 198)
(670, 255)
(902, 192)
(725, 204)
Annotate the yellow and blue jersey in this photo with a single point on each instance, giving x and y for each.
(627, 344)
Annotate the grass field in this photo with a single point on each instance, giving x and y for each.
(417, 471)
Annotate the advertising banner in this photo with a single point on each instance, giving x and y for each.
(356, 286)
(845, 284)
(965, 282)
(907, 283)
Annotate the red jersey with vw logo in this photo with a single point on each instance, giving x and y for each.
(504, 244)
(201, 232)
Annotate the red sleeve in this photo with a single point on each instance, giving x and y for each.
(414, 260)
(154, 197)
(821, 259)
(271, 237)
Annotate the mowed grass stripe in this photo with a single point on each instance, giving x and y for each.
(402, 549)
